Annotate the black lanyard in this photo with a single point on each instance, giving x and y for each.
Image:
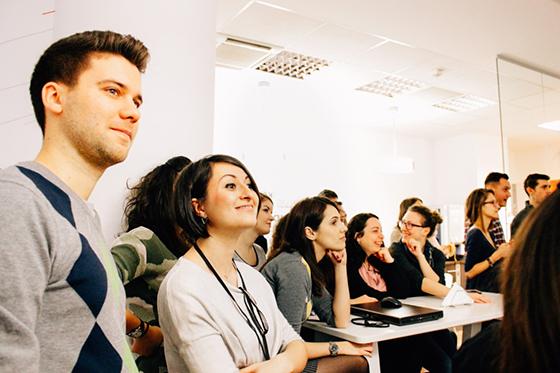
(258, 325)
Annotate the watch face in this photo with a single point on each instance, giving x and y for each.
(333, 349)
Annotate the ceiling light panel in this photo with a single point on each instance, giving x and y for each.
(392, 86)
(464, 103)
(292, 64)
(554, 125)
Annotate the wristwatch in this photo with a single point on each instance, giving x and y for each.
(333, 348)
(140, 330)
(490, 261)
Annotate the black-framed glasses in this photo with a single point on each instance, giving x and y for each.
(369, 323)
(256, 315)
(409, 225)
(490, 203)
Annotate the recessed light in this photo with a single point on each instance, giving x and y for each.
(464, 103)
(393, 85)
(292, 64)
(553, 125)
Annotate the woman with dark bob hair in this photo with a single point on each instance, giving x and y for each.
(528, 337)
(483, 260)
(217, 314)
(145, 253)
(312, 231)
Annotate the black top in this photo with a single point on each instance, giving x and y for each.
(480, 353)
(478, 250)
(392, 273)
(411, 267)
(261, 241)
(520, 217)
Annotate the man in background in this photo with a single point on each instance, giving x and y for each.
(331, 195)
(537, 187)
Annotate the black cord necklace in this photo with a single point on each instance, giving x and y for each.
(256, 321)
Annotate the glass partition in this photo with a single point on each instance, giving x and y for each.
(529, 101)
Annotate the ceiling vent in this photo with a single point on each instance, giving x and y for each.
(392, 86)
(237, 53)
(464, 103)
(293, 65)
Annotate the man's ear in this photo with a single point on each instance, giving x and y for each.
(52, 96)
(198, 208)
(310, 233)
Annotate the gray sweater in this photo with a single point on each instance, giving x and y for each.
(291, 283)
(61, 300)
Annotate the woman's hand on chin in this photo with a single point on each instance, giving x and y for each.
(337, 257)
(384, 255)
(413, 246)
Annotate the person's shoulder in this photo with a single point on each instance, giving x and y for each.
(474, 233)
(396, 247)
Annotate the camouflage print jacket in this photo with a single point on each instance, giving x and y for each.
(142, 261)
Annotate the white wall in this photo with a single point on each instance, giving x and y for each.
(178, 89)
(296, 142)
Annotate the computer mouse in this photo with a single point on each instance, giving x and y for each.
(390, 302)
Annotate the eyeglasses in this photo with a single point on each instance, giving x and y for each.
(368, 323)
(490, 203)
(256, 315)
(409, 225)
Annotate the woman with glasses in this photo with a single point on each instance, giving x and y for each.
(372, 275)
(528, 337)
(312, 231)
(407, 203)
(423, 264)
(248, 251)
(423, 268)
(483, 260)
(217, 314)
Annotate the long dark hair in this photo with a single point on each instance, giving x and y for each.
(309, 212)
(474, 203)
(191, 183)
(150, 204)
(530, 331)
(355, 230)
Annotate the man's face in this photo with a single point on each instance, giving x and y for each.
(100, 112)
(502, 191)
(541, 191)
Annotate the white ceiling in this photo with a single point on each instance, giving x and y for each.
(365, 40)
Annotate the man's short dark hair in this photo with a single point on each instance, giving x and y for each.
(327, 193)
(495, 177)
(64, 60)
(533, 180)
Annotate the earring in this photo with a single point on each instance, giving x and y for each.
(203, 220)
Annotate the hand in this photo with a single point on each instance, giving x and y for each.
(278, 364)
(337, 257)
(148, 343)
(384, 255)
(503, 250)
(479, 298)
(414, 247)
(355, 349)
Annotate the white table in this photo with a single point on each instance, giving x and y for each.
(468, 316)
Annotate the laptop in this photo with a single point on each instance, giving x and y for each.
(405, 315)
